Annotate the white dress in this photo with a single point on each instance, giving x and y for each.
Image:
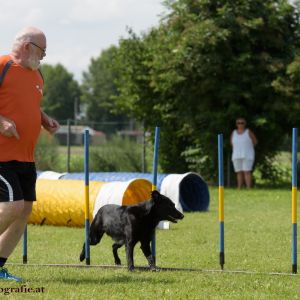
(242, 145)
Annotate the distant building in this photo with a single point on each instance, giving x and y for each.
(136, 135)
(76, 135)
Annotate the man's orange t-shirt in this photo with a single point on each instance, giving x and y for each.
(20, 96)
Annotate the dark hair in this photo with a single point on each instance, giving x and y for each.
(241, 119)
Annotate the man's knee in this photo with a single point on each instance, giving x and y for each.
(11, 210)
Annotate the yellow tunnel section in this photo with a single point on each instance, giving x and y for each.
(62, 202)
(137, 191)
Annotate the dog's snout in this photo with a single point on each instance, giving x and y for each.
(180, 216)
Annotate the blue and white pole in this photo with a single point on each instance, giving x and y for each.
(294, 199)
(221, 200)
(154, 183)
(25, 246)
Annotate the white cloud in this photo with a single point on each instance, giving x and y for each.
(34, 16)
(95, 11)
(76, 30)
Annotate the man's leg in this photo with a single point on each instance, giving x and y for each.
(9, 212)
(11, 236)
(10, 215)
(18, 182)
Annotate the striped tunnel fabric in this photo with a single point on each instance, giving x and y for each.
(188, 191)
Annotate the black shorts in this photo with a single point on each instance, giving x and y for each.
(17, 181)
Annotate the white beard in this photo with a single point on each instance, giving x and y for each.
(33, 63)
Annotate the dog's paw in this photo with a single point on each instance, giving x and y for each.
(153, 269)
(131, 268)
(117, 262)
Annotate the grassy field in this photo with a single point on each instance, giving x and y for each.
(257, 239)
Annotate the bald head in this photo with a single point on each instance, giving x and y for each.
(29, 47)
(29, 34)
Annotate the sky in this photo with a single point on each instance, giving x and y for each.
(77, 30)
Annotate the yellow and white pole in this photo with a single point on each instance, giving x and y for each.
(221, 200)
(87, 197)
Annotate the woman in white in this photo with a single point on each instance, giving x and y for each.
(243, 141)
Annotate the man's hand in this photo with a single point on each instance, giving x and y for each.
(49, 124)
(8, 128)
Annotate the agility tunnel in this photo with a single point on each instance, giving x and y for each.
(62, 202)
(188, 191)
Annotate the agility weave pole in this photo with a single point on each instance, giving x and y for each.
(87, 197)
(25, 246)
(221, 200)
(154, 183)
(294, 199)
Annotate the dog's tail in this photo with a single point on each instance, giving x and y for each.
(82, 254)
(95, 235)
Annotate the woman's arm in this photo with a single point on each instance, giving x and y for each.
(253, 137)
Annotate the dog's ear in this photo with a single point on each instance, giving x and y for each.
(155, 195)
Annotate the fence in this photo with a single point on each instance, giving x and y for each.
(115, 146)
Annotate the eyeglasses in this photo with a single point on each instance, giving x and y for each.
(43, 50)
(240, 123)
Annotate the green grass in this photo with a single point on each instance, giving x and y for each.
(257, 238)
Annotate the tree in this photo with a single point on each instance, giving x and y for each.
(288, 85)
(207, 63)
(61, 92)
(98, 88)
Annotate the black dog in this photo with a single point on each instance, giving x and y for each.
(131, 224)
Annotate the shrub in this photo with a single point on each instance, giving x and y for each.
(118, 155)
(46, 153)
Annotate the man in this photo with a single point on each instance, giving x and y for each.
(20, 122)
